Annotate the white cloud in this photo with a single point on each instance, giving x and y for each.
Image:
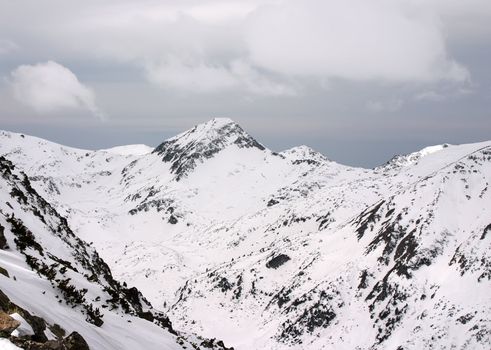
(388, 40)
(49, 86)
(385, 40)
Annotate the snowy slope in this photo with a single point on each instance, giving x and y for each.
(51, 269)
(59, 281)
(130, 150)
(284, 250)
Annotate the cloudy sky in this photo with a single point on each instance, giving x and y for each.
(358, 80)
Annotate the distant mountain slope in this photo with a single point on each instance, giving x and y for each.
(285, 250)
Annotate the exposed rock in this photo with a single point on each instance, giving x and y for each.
(57, 330)
(4, 272)
(37, 324)
(7, 324)
(172, 220)
(37, 341)
(4, 302)
(3, 240)
(73, 342)
(487, 229)
(214, 344)
(277, 261)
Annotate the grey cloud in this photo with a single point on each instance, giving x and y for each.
(174, 41)
(391, 105)
(7, 46)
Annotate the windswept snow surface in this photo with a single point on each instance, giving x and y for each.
(130, 150)
(285, 250)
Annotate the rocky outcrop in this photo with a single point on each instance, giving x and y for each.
(7, 324)
(4, 272)
(37, 324)
(73, 342)
(37, 341)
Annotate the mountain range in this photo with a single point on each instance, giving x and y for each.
(212, 240)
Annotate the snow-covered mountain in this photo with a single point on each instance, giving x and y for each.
(262, 250)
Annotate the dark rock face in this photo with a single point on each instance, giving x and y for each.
(224, 285)
(277, 261)
(165, 206)
(73, 342)
(214, 344)
(364, 276)
(319, 310)
(367, 218)
(186, 151)
(3, 240)
(172, 220)
(4, 302)
(487, 230)
(57, 330)
(4, 272)
(24, 237)
(387, 299)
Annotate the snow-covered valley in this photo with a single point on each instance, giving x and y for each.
(226, 239)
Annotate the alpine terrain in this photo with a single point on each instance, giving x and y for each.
(213, 241)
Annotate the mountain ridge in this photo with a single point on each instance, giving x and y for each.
(142, 149)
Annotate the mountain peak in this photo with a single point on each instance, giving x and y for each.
(203, 141)
(304, 154)
(404, 160)
(218, 122)
(207, 131)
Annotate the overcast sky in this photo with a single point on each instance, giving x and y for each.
(358, 80)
